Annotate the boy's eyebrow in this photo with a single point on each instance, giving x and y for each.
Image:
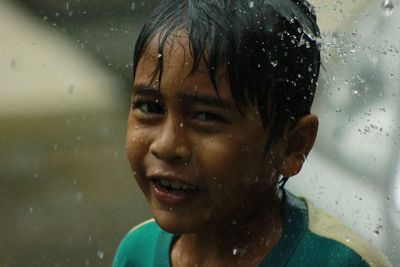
(141, 89)
(189, 98)
(205, 99)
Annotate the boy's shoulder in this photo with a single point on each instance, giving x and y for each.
(311, 237)
(142, 245)
(330, 242)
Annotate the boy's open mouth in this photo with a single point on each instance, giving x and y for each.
(174, 186)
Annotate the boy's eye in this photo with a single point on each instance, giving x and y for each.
(209, 117)
(149, 107)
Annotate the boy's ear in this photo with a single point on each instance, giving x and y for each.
(299, 142)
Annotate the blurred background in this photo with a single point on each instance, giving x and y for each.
(66, 193)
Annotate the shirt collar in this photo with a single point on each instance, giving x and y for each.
(294, 225)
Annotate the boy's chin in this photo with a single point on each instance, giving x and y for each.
(177, 223)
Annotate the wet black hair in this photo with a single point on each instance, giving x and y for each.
(269, 47)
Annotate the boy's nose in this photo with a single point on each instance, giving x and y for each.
(170, 144)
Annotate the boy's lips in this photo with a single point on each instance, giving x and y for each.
(171, 178)
(172, 189)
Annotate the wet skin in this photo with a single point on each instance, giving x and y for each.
(179, 130)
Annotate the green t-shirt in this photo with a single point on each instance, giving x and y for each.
(310, 238)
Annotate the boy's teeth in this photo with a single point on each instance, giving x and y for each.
(176, 185)
(165, 183)
(185, 186)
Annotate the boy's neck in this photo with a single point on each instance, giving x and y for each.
(241, 243)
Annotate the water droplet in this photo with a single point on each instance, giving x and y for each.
(67, 5)
(377, 230)
(387, 7)
(71, 89)
(79, 197)
(258, 65)
(30, 209)
(181, 124)
(133, 6)
(13, 63)
(251, 4)
(234, 251)
(100, 254)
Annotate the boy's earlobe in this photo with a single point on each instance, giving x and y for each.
(291, 166)
(300, 140)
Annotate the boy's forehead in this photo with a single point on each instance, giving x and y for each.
(176, 46)
(177, 52)
(177, 66)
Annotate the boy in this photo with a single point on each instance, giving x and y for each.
(220, 118)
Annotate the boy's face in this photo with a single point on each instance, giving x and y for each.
(199, 162)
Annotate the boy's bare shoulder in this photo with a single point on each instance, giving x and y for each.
(322, 224)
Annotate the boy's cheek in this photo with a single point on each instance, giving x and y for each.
(135, 148)
(135, 158)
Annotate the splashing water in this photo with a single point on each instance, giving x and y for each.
(387, 7)
(274, 63)
(235, 251)
(100, 254)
